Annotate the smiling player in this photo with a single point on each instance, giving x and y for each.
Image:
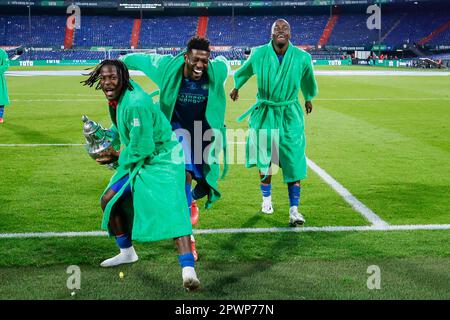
(282, 70)
(148, 181)
(192, 96)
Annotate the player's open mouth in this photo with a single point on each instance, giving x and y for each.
(109, 92)
(198, 72)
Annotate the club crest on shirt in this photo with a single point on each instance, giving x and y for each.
(136, 122)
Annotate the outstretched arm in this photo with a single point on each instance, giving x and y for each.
(241, 76)
(150, 64)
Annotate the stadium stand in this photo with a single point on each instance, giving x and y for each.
(417, 25)
(167, 31)
(255, 30)
(238, 32)
(63, 55)
(15, 31)
(104, 31)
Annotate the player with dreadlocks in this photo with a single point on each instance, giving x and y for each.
(145, 199)
(192, 96)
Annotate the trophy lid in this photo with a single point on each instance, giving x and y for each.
(89, 126)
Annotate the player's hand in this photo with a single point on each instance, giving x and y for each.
(234, 94)
(108, 156)
(308, 107)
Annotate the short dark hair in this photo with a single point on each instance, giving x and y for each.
(198, 43)
(122, 72)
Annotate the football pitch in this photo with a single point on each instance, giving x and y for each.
(377, 194)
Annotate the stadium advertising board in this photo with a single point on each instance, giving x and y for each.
(32, 63)
(130, 5)
(159, 5)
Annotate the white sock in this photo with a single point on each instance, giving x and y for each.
(190, 280)
(127, 255)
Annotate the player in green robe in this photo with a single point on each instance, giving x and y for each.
(149, 178)
(4, 99)
(192, 96)
(277, 129)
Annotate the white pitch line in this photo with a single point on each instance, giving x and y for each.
(357, 205)
(371, 99)
(245, 99)
(347, 196)
(56, 100)
(352, 73)
(4, 145)
(240, 230)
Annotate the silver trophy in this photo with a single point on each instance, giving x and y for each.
(99, 139)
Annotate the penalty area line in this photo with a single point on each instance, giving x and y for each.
(357, 205)
(240, 230)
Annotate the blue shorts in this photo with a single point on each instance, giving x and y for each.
(119, 184)
(196, 169)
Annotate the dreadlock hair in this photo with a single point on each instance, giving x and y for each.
(198, 43)
(122, 72)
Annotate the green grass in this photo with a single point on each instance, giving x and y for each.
(386, 139)
(413, 265)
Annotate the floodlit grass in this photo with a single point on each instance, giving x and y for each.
(386, 139)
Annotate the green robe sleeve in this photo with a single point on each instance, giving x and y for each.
(139, 121)
(224, 67)
(151, 64)
(244, 73)
(4, 61)
(308, 84)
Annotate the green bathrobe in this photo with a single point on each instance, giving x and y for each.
(278, 111)
(167, 73)
(4, 65)
(154, 160)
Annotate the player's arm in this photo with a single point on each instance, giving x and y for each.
(151, 64)
(241, 76)
(4, 62)
(139, 120)
(308, 84)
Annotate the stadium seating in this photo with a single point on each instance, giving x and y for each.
(255, 30)
(240, 31)
(418, 25)
(15, 30)
(351, 30)
(167, 31)
(63, 55)
(104, 31)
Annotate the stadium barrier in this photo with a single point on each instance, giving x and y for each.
(318, 62)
